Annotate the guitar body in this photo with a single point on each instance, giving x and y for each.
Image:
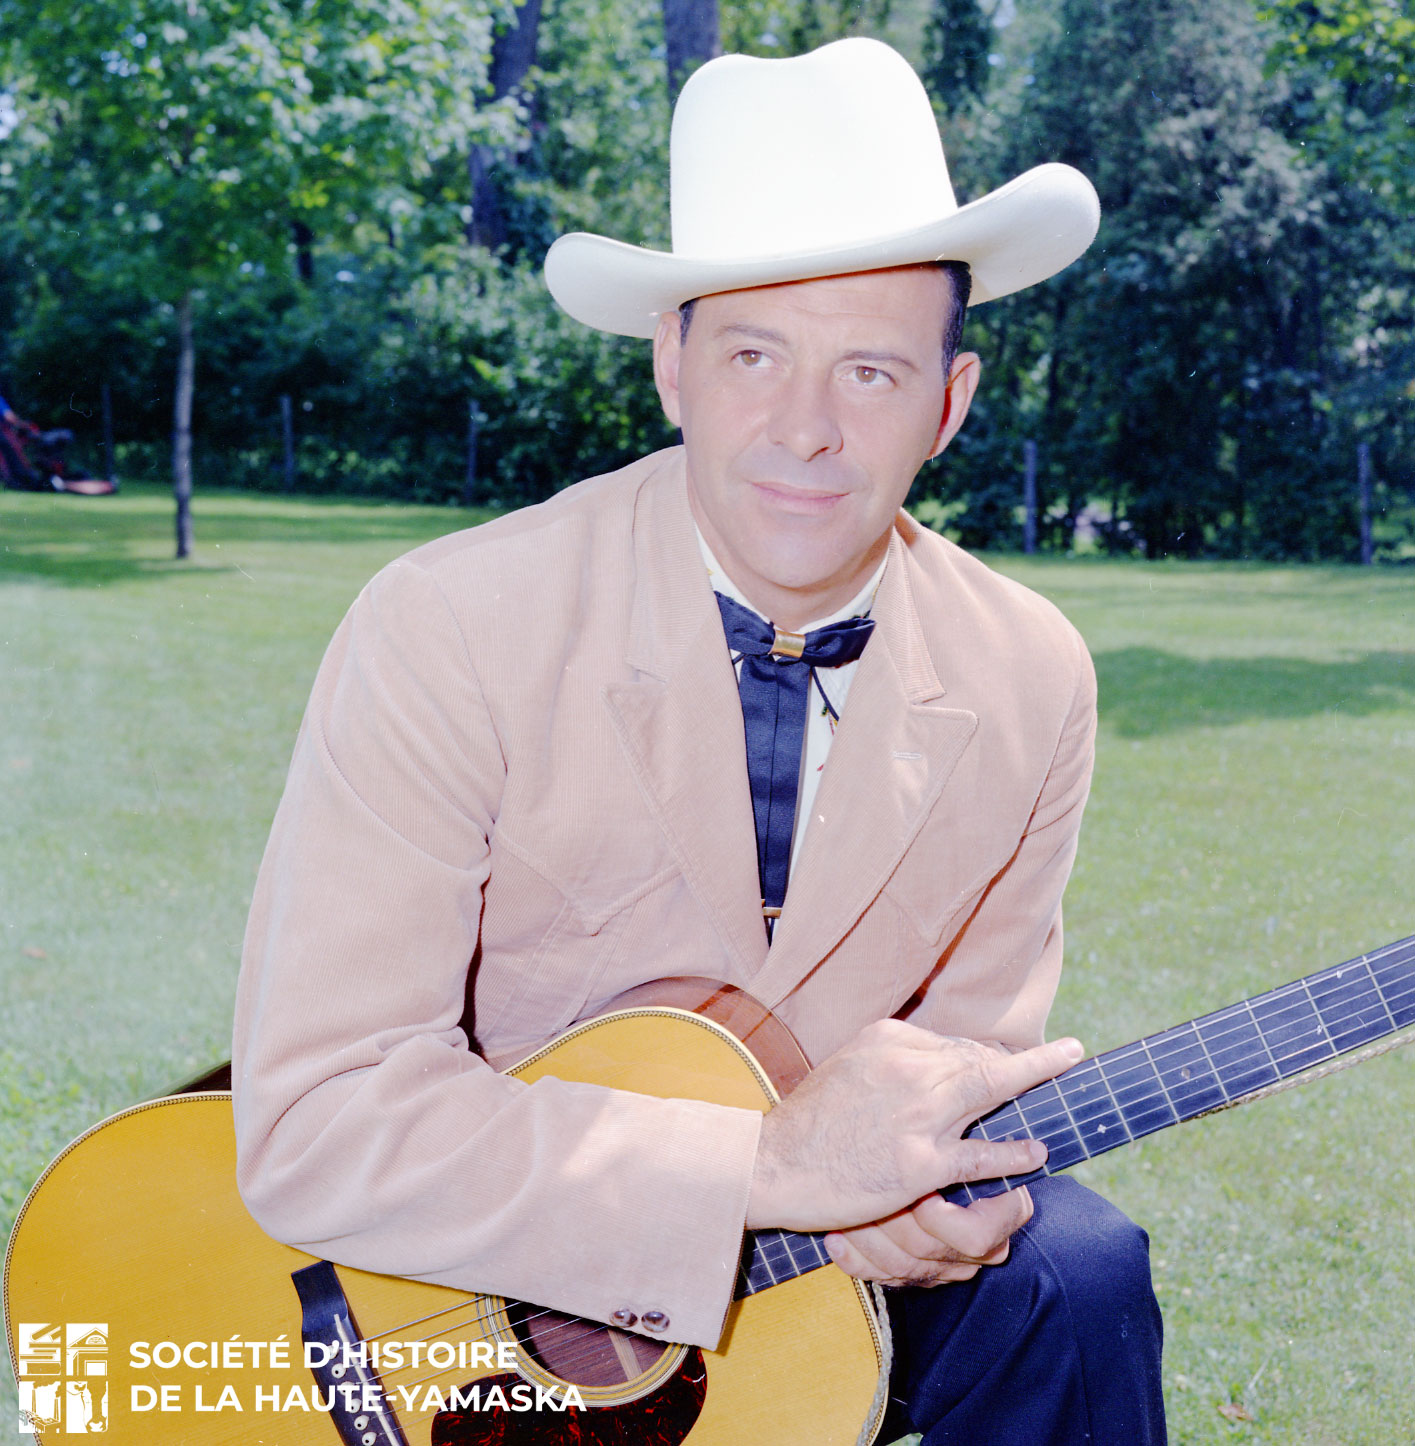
(137, 1226)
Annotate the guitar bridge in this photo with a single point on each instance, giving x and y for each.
(357, 1405)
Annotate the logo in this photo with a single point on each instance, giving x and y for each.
(62, 1372)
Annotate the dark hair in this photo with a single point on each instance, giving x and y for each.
(960, 286)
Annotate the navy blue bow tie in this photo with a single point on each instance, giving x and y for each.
(775, 685)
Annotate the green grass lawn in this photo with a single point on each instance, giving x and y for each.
(1250, 822)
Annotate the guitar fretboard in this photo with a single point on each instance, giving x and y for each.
(1127, 1093)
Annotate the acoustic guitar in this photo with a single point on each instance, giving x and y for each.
(137, 1227)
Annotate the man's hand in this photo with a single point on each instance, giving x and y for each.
(934, 1242)
(877, 1127)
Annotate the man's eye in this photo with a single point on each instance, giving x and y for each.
(750, 358)
(871, 376)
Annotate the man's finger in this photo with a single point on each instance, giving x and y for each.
(866, 1255)
(977, 1231)
(997, 1078)
(992, 1159)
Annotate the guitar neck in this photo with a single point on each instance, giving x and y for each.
(1163, 1079)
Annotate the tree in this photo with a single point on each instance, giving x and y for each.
(957, 43)
(172, 139)
(690, 36)
(512, 57)
(1358, 58)
(1180, 368)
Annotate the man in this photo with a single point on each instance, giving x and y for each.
(525, 750)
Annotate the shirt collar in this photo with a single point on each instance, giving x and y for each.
(858, 607)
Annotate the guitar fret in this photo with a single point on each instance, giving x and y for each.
(1132, 1076)
(1115, 1098)
(1085, 1091)
(1004, 1123)
(1164, 1088)
(1401, 970)
(1223, 1089)
(1064, 1145)
(1188, 1077)
(1162, 1079)
(1381, 1020)
(1234, 1041)
(1321, 1021)
(1262, 1038)
(770, 1257)
(1109, 1089)
(1380, 993)
(1287, 1030)
(1071, 1118)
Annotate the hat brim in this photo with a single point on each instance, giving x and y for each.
(1011, 238)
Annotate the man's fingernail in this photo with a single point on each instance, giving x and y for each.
(1073, 1049)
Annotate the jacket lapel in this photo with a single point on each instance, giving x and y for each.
(679, 721)
(896, 746)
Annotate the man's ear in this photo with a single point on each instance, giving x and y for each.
(667, 352)
(957, 397)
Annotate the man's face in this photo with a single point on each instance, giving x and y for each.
(806, 410)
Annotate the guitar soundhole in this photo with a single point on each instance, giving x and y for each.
(582, 1351)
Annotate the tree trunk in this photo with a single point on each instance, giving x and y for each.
(1363, 496)
(287, 439)
(182, 426)
(690, 35)
(469, 484)
(512, 55)
(1029, 496)
(110, 465)
(304, 251)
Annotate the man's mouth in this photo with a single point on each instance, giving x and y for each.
(807, 501)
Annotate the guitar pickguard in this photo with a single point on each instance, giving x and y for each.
(663, 1418)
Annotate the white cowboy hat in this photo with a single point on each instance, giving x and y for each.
(819, 165)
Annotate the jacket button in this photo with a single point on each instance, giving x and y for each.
(655, 1320)
(625, 1317)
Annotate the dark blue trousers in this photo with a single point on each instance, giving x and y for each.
(1058, 1345)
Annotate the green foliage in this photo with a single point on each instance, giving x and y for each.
(183, 138)
(171, 145)
(1358, 56)
(958, 42)
(1191, 370)
(1197, 383)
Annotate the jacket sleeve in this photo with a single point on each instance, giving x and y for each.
(367, 1130)
(998, 972)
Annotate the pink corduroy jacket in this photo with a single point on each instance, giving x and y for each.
(524, 755)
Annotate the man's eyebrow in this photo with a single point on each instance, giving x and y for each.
(880, 358)
(765, 333)
(754, 333)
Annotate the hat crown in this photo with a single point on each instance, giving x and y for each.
(775, 157)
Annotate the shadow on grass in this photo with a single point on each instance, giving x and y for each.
(1145, 692)
(93, 542)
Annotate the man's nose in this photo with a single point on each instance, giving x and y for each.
(804, 419)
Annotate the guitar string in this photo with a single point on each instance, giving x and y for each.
(1152, 1050)
(1151, 1055)
(1321, 1071)
(1311, 1009)
(1151, 1093)
(567, 1364)
(783, 1239)
(1298, 987)
(1317, 1042)
(1399, 1040)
